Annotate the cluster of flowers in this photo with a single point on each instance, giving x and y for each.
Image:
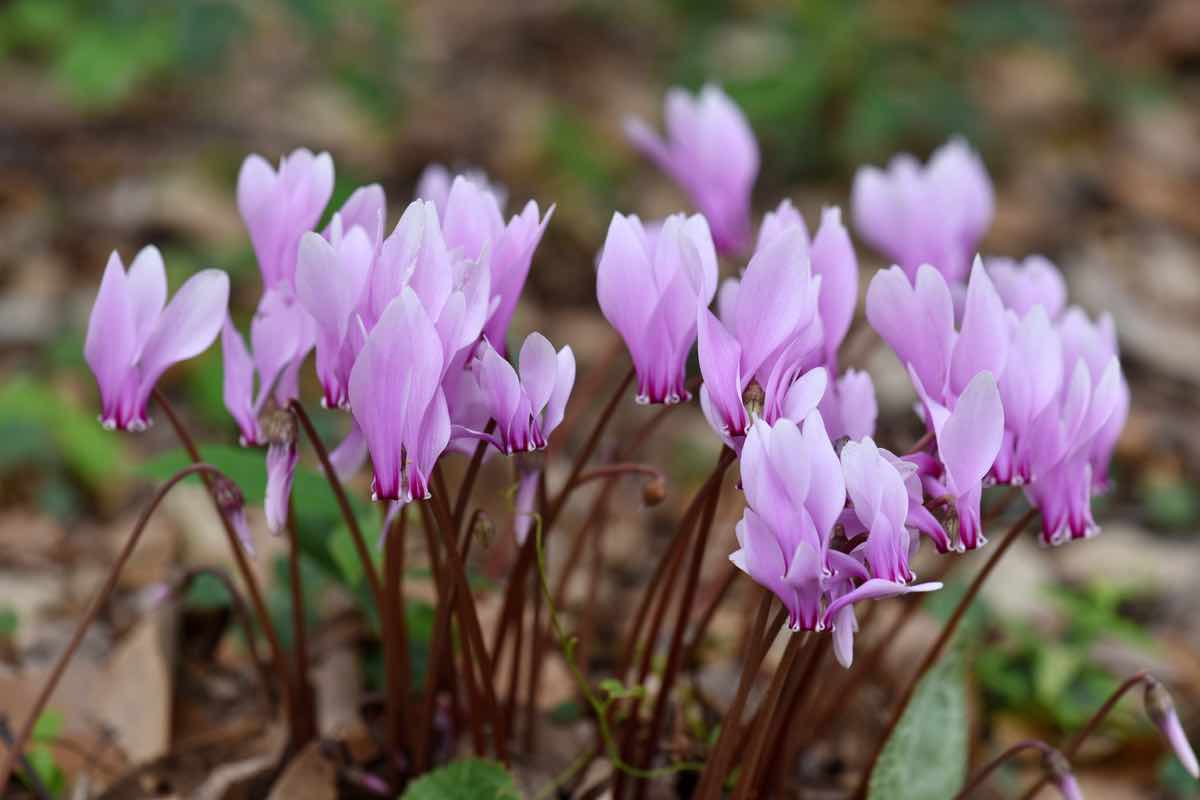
(1014, 387)
(409, 328)
(409, 332)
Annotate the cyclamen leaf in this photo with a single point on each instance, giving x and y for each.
(472, 777)
(926, 756)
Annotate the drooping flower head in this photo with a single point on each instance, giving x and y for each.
(278, 206)
(397, 401)
(926, 214)
(711, 152)
(527, 403)
(651, 292)
(134, 335)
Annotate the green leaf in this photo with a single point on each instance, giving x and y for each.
(48, 726)
(473, 777)
(926, 756)
(97, 456)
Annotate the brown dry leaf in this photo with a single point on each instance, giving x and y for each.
(133, 693)
(309, 776)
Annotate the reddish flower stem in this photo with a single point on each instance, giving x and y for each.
(757, 644)
(395, 637)
(93, 610)
(1028, 744)
(684, 609)
(468, 481)
(304, 702)
(339, 493)
(278, 660)
(939, 646)
(1071, 749)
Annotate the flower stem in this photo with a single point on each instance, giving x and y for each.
(684, 609)
(943, 640)
(93, 610)
(468, 482)
(1071, 749)
(278, 661)
(304, 716)
(757, 644)
(759, 742)
(339, 493)
(395, 636)
(1028, 744)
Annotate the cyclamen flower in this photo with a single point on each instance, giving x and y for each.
(1029, 283)
(472, 222)
(711, 152)
(933, 214)
(435, 182)
(651, 293)
(132, 338)
(849, 406)
(280, 205)
(397, 400)
(771, 330)
(281, 335)
(794, 494)
(527, 404)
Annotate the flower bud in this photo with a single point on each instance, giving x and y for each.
(1161, 710)
(232, 504)
(1058, 770)
(654, 491)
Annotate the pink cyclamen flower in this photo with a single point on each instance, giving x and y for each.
(651, 293)
(794, 494)
(280, 205)
(849, 407)
(1029, 283)
(711, 152)
(281, 334)
(435, 181)
(968, 440)
(472, 222)
(331, 278)
(771, 331)
(527, 403)
(397, 400)
(879, 500)
(932, 214)
(134, 335)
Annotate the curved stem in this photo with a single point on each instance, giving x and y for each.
(239, 557)
(759, 743)
(93, 610)
(620, 468)
(979, 777)
(1075, 742)
(943, 639)
(339, 493)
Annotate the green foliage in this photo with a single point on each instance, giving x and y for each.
(45, 731)
(926, 756)
(33, 414)
(1055, 679)
(8, 622)
(472, 777)
(1171, 505)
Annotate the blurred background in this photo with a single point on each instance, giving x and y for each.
(124, 123)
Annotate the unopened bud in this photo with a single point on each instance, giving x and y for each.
(232, 504)
(1161, 710)
(754, 398)
(1058, 770)
(654, 491)
(278, 426)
